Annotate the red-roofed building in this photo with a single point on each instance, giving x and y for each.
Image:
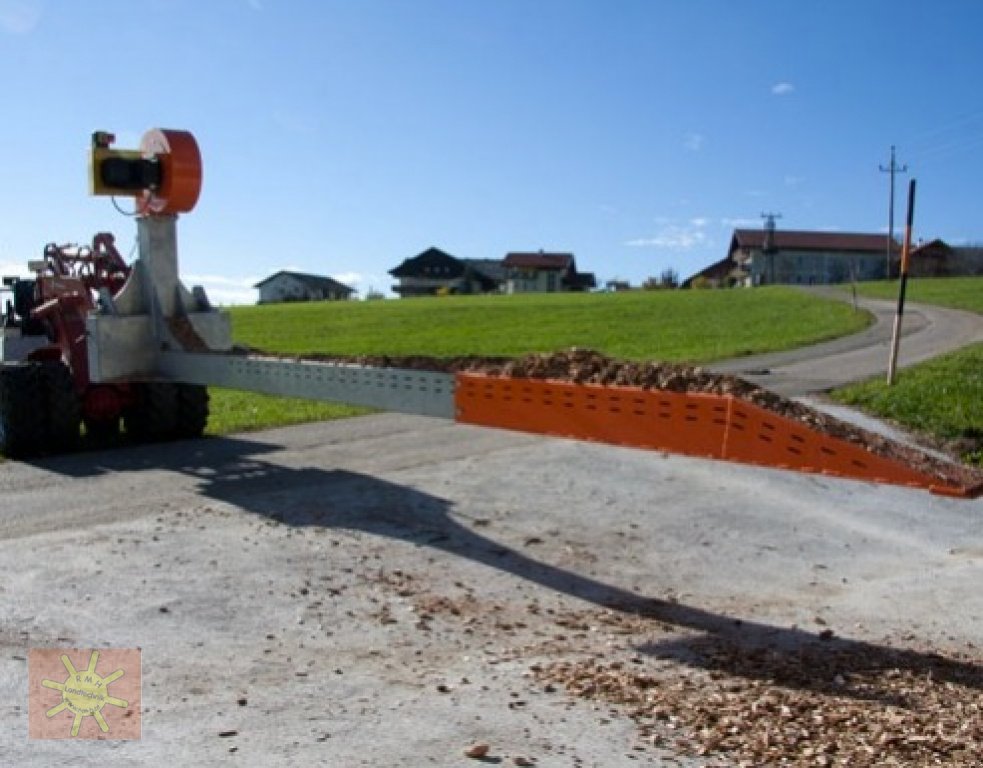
(542, 272)
(769, 257)
(937, 258)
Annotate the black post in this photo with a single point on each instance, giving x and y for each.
(903, 286)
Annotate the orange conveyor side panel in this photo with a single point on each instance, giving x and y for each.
(758, 436)
(692, 424)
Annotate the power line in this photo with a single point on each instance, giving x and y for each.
(892, 169)
(945, 130)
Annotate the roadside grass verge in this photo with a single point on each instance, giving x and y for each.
(234, 411)
(941, 399)
(692, 326)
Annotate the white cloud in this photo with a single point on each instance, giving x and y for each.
(19, 17)
(782, 89)
(225, 290)
(793, 181)
(675, 238)
(348, 278)
(14, 268)
(694, 142)
(364, 282)
(699, 221)
(740, 223)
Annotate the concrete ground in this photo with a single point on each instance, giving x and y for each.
(376, 591)
(380, 591)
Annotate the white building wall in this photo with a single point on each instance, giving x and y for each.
(283, 288)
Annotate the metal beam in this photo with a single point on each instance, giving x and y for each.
(426, 393)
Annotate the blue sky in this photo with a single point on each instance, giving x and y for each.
(340, 137)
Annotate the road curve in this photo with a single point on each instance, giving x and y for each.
(927, 331)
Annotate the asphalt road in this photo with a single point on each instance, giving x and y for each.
(927, 331)
(376, 591)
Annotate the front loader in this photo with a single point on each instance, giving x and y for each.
(93, 341)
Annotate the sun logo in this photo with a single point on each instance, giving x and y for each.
(85, 693)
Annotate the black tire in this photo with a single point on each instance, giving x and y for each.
(22, 410)
(192, 410)
(61, 408)
(102, 434)
(155, 414)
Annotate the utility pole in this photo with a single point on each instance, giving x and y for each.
(768, 243)
(893, 169)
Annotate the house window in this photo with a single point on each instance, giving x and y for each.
(551, 281)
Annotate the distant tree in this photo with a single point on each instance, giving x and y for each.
(374, 295)
(668, 278)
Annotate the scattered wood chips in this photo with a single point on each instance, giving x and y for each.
(856, 705)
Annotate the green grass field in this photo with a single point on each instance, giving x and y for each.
(942, 398)
(694, 326)
(957, 292)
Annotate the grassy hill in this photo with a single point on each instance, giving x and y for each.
(695, 326)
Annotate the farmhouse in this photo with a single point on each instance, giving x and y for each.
(938, 259)
(297, 286)
(529, 272)
(434, 271)
(770, 256)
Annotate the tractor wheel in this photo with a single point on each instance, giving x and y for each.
(102, 433)
(61, 409)
(22, 410)
(192, 410)
(154, 415)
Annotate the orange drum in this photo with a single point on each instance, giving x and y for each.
(181, 172)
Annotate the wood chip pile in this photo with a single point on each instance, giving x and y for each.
(814, 707)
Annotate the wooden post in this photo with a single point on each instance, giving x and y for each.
(905, 251)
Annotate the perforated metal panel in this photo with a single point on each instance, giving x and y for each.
(392, 389)
(695, 424)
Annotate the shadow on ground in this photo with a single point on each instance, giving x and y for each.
(230, 470)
